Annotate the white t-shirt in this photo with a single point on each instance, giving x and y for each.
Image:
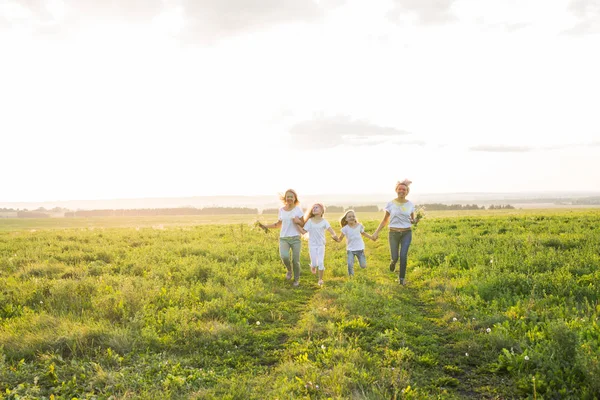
(288, 228)
(316, 232)
(354, 240)
(400, 213)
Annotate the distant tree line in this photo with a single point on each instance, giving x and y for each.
(162, 211)
(501, 207)
(32, 214)
(587, 201)
(439, 206)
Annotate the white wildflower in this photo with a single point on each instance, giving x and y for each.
(466, 354)
(454, 319)
(488, 330)
(526, 358)
(257, 322)
(322, 347)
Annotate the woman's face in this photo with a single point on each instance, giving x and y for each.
(401, 190)
(290, 198)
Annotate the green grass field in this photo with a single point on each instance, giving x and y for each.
(499, 305)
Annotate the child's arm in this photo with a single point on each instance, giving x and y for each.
(340, 237)
(333, 235)
(383, 222)
(299, 221)
(367, 235)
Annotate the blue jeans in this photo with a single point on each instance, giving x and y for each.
(285, 245)
(399, 243)
(362, 260)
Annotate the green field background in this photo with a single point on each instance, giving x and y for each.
(500, 304)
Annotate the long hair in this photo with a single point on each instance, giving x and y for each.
(343, 221)
(309, 213)
(292, 191)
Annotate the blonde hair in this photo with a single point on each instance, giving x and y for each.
(343, 221)
(309, 213)
(292, 191)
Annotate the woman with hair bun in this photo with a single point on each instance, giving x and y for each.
(400, 213)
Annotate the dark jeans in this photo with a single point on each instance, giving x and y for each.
(399, 244)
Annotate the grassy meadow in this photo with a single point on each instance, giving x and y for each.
(500, 304)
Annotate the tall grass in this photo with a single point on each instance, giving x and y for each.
(501, 306)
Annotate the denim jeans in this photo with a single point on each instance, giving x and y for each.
(285, 245)
(362, 260)
(399, 243)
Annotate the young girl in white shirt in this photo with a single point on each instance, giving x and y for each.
(355, 246)
(316, 226)
(400, 213)
(289, 236)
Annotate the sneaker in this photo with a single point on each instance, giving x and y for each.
(313, 270)
(288, 276)
(392, 267)
(320, 282)
(296, 284)
(402, 281)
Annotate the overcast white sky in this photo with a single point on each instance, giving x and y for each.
(167, 98)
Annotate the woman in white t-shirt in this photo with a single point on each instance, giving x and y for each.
(316, 226)
(400, 213)
(355, 247)
(289, 236)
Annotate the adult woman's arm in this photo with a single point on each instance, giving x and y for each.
(270, 226)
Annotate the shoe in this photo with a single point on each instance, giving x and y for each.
(320, 282)
(288, 276)
(313, 270)
(402, 281)
(392, 267)
(296, 284)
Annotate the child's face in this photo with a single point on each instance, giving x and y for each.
(351, 218)
(317, 210)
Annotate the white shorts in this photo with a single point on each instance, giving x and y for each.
(317, 256)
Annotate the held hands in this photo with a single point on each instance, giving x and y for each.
(374, 236)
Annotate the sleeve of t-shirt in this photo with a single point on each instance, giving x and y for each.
(279, 214)
(345, 230)
(362, 228)
(388, 207)
(298, 212)
(327, 225)
(308, 225)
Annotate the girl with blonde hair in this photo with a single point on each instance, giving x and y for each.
(316, 226)
(355, 246)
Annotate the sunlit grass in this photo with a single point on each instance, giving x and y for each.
(170, 308)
